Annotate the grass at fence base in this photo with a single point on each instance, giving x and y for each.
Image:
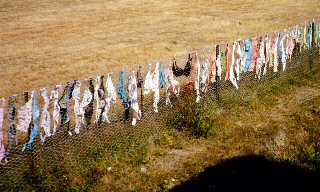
(307, 154)
(303, 152)
(100, 163)
(191, 118)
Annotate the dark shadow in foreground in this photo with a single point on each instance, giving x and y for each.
(253, 173)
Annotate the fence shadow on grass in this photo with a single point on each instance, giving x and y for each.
(253, 173)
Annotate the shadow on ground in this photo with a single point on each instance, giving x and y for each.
(253, 173)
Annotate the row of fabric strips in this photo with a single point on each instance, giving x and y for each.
(256, 54)
(29, 113)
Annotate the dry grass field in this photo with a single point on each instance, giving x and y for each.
(49, 42)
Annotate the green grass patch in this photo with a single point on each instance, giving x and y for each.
(191, 118)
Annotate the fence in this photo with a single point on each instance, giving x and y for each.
(65, 154)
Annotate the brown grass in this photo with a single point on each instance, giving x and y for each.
(49, 42)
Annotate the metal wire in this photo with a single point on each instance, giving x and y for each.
(62, 149)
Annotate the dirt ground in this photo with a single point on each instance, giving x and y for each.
(50, 42)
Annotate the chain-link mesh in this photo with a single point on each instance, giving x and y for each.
(64, 154)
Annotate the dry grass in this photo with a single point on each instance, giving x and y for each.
(49, 42)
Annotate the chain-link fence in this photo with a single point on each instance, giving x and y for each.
(46, 164)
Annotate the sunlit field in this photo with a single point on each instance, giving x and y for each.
(50, 42)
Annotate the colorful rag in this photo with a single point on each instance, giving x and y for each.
(204, 72)
(111, 96)
(213, 66)
(147, 86)
(25, 116)
(89, 109)
(77, 112)
(140, 78)
(275, 52)
(99, 96)
(233, 59)
(172, 84)
(289, 45)
(261, 58)
(121, 91)
(262, 50)
(248, 54)
(270, 51)
(318, 34)
(232, 76)
(12, 128)
(86, 100)
(177, 71)
(45, 117)
(204, 76)
(133, 98)
(297, 41)
(56, 108)
(162, 76)
(168, 90)
(304, 42)
(238, 58)
(187, 68)
(255, 53)
(227, 62)
(266, 57)
(309, 39)
(168, 102)
(2, 148)
(155, 87)
(34, 129)
(64, 105)
(282, 53)
(190, 84)
(197, 79)
(218, 60)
